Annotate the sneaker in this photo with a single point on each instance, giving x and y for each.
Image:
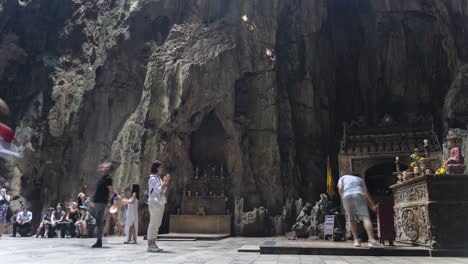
(374, 244)
(46, 236)
(153, 249)
(356, 243)
(35, 236)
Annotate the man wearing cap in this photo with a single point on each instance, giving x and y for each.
(45, 223)
(85, 220)
(23, 222)
(102, 199)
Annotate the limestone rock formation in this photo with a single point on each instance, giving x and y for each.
(134, 80)
(309, 223)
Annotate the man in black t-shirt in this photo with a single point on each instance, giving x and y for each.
(102, 199)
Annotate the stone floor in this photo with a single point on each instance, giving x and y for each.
(70, 251)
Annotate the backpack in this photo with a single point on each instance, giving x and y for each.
(147, 194)
(146, 197)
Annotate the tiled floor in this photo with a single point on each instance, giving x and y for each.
(70, 251)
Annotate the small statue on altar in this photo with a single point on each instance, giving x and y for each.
(455, 163)
(399, 177)
(455, 156)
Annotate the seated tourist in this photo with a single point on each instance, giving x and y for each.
(58, 222)
(73, 216)
(85, 220)
(45, 224)
(22, 223)
(83, 196)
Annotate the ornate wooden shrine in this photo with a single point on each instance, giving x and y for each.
(429, 210)
(364, 146)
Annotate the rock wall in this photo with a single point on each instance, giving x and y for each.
(131, 80)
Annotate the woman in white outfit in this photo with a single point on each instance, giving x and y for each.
(131, 221)
(157, 187)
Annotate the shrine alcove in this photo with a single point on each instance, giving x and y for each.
(207, 143)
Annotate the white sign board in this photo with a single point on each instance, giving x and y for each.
(329, 225)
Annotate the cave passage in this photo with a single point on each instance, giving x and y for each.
(379, 178)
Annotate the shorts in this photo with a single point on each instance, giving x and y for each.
(355, 206)
(44, 223)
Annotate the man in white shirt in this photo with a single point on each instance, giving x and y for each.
(355, 197)
(157, 188)
(22, 223)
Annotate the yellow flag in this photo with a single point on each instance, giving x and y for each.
(330, 182)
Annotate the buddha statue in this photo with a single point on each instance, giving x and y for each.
(455, 163)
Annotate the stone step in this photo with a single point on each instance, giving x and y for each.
(191, 237)
(305, 247)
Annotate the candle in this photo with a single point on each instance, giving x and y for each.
(397, 164)
(196, 172)
(426, 148)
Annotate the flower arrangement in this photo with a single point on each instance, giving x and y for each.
(420, 164)
(417, 164)
(442, 170)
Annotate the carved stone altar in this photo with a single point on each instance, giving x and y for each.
(432, 211)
